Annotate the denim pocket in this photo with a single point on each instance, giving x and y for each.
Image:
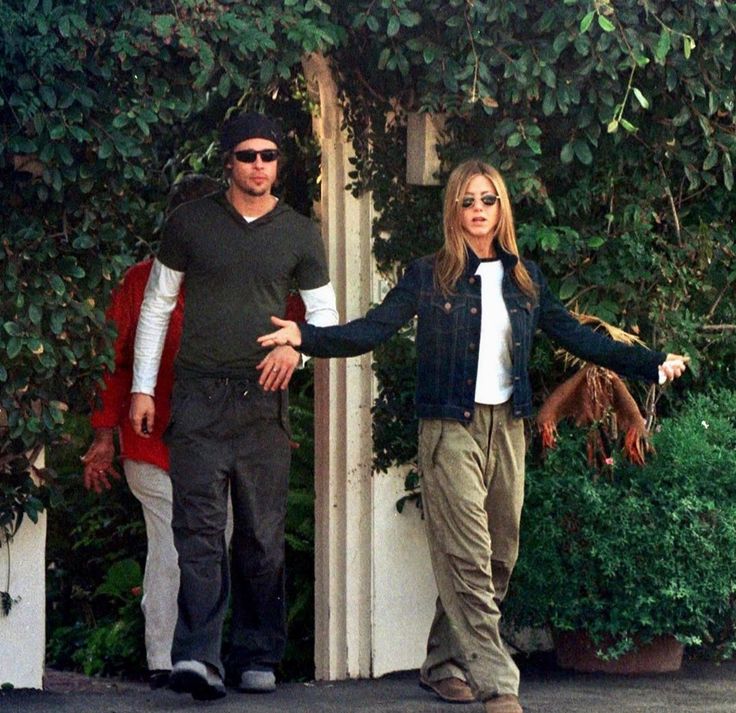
(445, 314)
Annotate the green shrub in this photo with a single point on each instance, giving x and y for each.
(94, 622)
(114, 643)
(636, 552)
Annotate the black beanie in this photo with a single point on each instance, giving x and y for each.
(248, 126)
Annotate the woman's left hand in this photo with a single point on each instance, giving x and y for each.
(672, 367)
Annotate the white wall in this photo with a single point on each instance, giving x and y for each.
(404, 589)
(23, 631)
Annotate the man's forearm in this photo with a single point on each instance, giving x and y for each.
(159, 302)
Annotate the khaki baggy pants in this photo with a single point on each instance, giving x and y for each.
(472, 491)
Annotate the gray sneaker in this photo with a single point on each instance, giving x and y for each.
(255, 681)
(202, 680)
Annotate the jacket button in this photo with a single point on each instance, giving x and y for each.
(467, 414)
(471, 347)
(517, 344)
(471, 280)
(513, 310)
(473, 310)
(516, 378)
(448, 306)
(469, 382)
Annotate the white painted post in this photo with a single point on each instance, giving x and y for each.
(404, 590)
(23, 630)
(374, 592)
(342, 412)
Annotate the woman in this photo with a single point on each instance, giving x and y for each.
(478, 307)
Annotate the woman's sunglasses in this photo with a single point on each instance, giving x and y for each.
(250, 155)
(488, 199)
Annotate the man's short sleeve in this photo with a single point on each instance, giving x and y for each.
(311, 271)
(173, 250)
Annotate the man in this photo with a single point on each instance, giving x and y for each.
(145, 460)
(240, 251)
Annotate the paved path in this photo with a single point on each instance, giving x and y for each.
(699, 687)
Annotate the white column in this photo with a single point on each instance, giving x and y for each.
(374, 591)
(344, 394)
(23, 630)
(404, 590)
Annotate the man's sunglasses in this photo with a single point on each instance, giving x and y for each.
(488, 199)
(250, 155)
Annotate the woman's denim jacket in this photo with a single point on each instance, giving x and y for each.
(448, 336)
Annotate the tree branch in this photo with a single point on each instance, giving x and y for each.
(673, 207)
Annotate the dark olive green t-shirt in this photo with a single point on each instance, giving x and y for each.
(237, 274)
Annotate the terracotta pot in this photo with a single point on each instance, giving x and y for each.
(575, 650)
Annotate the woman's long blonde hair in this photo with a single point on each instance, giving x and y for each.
(452, 256)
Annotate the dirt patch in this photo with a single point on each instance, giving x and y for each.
(70, 682)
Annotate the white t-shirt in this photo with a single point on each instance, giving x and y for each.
(494, 382)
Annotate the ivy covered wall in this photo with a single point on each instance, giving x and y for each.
(612, 121)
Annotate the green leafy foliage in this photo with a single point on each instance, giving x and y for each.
(640, 551)
(612, 122)
(632, 226)
(298, 662)
(96, 548)
(102, 105)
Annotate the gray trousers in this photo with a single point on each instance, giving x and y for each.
(152, 488)
(472, 492)
(229, 433)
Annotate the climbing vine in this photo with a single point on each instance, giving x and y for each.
(613, 122)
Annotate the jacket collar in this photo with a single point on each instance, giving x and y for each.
(508, 260)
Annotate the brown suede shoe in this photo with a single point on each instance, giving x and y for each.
(507, 703)
(453, 690)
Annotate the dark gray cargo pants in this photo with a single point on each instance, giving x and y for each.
(225, 432)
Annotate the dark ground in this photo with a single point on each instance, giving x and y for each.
(699, 687)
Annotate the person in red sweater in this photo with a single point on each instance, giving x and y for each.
(145, 460)
(145, 464)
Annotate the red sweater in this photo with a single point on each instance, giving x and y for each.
(115, 398)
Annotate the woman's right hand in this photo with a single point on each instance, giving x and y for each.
(288, 334)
